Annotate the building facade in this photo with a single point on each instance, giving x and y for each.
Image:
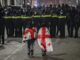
(38, 2)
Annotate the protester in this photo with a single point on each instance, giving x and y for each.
(44, 40)
(29, 36)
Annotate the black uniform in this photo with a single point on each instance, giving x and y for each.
(18, 22)
(2, 25)
(54, 21)
(37, 17)
(77, 22)
(61, 22)
(71, 21)
(9, 23)
(68, 19)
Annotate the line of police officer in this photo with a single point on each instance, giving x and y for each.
(55, 17)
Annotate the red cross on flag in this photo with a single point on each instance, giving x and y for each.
(44, 39)
(29, 33)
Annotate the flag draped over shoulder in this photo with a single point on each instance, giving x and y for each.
(44, 39)
(29, 33)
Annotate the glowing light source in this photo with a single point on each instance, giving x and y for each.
(28, 3)
(35, 3)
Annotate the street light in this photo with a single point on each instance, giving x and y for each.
(77, 2)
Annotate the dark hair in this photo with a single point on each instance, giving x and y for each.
(43, 24)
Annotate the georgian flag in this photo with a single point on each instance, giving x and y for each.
(29, 34)
(44, 39)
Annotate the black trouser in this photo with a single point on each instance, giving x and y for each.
(2, 39)
(10, 27)
(53, 29)
(76, 30)
(10, 31)
(61, 27)
(2, 35)
(30, 44)
(18, 32)
(70, 27)
(53, 25)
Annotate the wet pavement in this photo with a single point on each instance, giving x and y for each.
(64, 49)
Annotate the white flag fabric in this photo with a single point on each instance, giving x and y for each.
(44, 39)
(29, 34)
(26, 36)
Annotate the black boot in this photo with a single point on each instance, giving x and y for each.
(28, 53)
(44, 53)
(32, 52)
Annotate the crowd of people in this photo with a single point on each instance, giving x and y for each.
(56, 17)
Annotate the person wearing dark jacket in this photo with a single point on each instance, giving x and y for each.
(2, 25)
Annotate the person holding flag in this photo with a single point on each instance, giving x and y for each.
(29, 35)
(44, 40)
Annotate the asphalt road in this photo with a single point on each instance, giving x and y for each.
(64, 49)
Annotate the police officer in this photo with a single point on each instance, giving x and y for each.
(54, 21)
(36, 16)
(31, 36)
(68, 18)
(71, 21)
(27, 12)
(2, 25)
(77, 22)
(18, 22)
(46, 16)
(9, 22)
(61, 21)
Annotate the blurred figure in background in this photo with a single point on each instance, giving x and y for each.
(2, 25)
